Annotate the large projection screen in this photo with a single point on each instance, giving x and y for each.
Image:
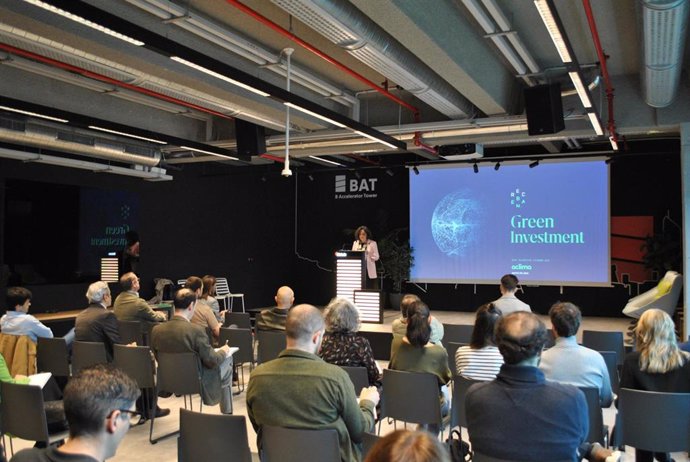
(548, 225)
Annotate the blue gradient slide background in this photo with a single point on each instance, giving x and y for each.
(460, 223)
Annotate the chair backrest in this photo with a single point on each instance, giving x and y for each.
(610, 358)
(458, 418)
(240, 338)
(23, 414)
(279, 444)
(241, 320)
(550, 339)
(596, 418)
(655, 421)
(605, 341)
(457, 333)
(178, 373)
(52, 356)
(421, 406)
(358, 377)
(131, 331)
(136, 362)
(451, 348)
(271, 343)
(85, 354)
(212, 437)
(368, 442)
(222, 287)
(669, 301)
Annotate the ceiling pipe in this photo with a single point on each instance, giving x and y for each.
(613, 136)
(103, 78)
(352, 73)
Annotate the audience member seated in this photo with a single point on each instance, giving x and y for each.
(568, 362)
(275, 318)
(300, 390)
(179, 335)
(97, 323)
(408, 446)
(342, 345)
(208, 296)
(481, 360)
(656, 365)
(417, 354)
(509, 303)
(18, 321)
(129, 307)
(520, 415)
(203, 314)
(400, 324)
(99, 404)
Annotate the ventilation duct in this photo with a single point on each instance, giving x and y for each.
(346, 26)
(45, 138)
(664, 25)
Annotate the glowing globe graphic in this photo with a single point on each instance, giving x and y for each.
(456, 222)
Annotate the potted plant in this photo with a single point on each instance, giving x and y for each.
(396, 260)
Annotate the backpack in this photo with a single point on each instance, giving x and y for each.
(459, 449)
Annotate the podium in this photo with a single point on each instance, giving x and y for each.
(351, 273)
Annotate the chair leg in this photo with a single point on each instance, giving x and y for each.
(232, 302)
(243, 304)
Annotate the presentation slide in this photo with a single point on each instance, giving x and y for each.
(548, 225)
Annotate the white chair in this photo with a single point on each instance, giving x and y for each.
(223, 292)
(659, 297)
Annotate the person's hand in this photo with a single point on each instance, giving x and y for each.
(20, 377)
(370, 394)
(133, 344)
(225, 349)
(601, 454)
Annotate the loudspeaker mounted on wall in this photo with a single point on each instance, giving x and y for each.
(251, 139)
(544, 109)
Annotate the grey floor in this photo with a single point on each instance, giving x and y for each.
(136, 447)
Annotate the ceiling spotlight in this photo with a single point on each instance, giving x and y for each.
(497, 166)
(534, 164)
(389, 172)
(475, 167)
(358, 175)
(415, 170)
(311, 178)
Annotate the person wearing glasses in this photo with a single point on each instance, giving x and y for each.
(99, 406)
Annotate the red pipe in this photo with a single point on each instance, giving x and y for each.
(422, 145)
(604, 69)
(281, 30)
(272, 157)
(362, 159)
(103, 78)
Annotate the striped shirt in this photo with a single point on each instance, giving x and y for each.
(478, 364)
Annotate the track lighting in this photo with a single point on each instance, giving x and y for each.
(497, 166)
(475, 167)
(415, 170)
(534, 164)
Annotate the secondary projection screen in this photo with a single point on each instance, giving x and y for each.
(548, 225)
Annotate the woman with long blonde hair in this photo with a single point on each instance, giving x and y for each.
(657, 365)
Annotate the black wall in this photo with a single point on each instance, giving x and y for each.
(241, 223)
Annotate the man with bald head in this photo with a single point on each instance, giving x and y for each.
(275, 318)
(521, 416)
(300, 390)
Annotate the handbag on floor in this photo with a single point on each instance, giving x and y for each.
(459, 449)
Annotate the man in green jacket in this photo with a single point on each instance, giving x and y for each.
(300, 390)
(129, 307)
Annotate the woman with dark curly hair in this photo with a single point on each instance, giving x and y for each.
(342, 345)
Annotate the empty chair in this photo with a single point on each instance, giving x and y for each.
(654, 421)
(458, 417)
(137, 363)
(598, 432)
(605, 341)
(23, 414)
(663, 296)
(457, 333)
(279, 444)
(242, 339)
(411, 397)
(52, 356)
(223, 292)
(241, 320)
(85, 354)
(610, 358)
(178, 373)
(358, 377)
(131, 331)
(271, 343)
(212, 437)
